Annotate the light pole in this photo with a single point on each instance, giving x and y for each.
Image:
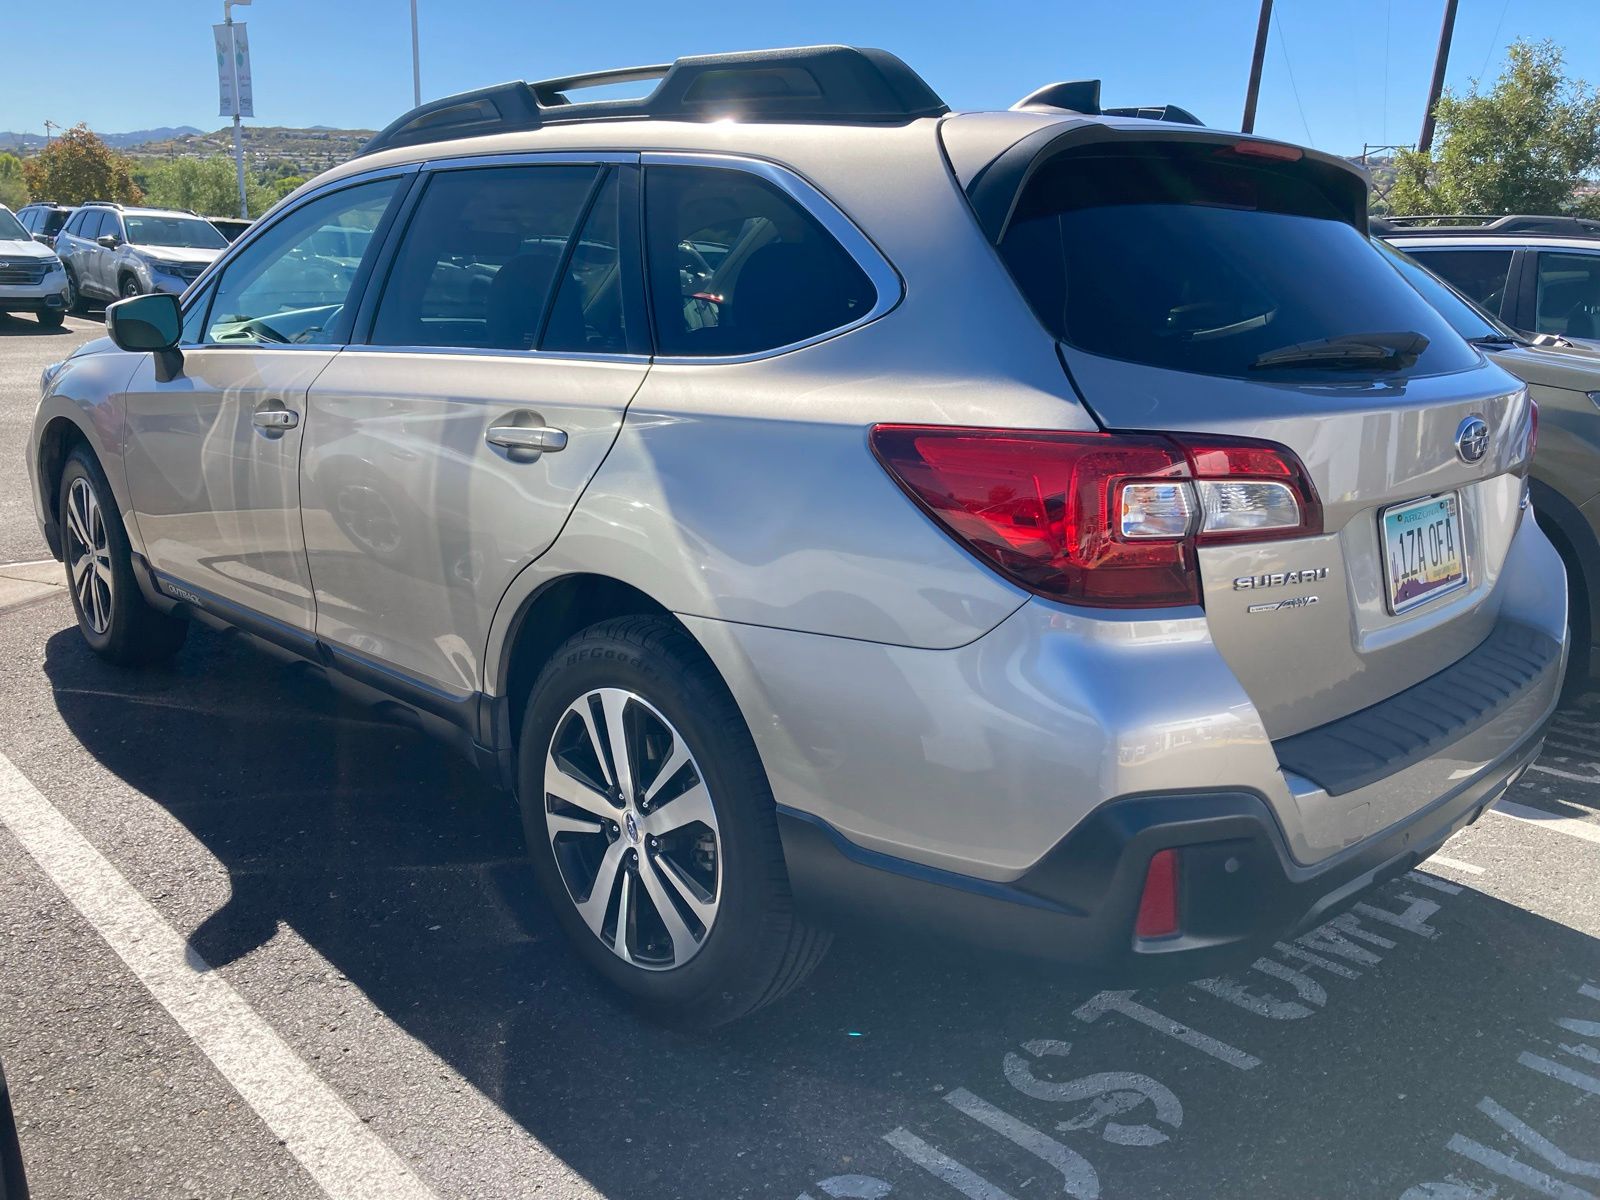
(238, 132)
(416, 60)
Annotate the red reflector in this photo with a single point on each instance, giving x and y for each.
(1158, 904)
(1533, 428)
(1273, 150)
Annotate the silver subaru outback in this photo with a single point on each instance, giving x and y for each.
(1055, 528)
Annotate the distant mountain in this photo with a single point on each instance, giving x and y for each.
(10, 140)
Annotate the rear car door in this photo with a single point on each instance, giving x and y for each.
(446, 452)
(1486, 275)
(212, 454)
(1566, 294)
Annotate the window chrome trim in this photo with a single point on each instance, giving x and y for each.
(277, 213)
(587, 356)
(886, 281)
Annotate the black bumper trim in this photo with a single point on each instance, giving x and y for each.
(1241, 889)
(1364, 747)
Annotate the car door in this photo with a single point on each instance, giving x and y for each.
(85, 253)
(445, 454)
(212, 454)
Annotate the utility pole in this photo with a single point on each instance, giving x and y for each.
(238, 126)
(1254, 90)
(1446, 32)
(416, 60)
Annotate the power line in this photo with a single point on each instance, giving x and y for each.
(1494, 40)
(1283, 45)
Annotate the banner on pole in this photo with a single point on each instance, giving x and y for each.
(233, 70)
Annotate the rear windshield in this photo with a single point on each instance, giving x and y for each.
(1182, 260)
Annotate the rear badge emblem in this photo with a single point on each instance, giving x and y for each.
(1277, 605)
(1472, 439)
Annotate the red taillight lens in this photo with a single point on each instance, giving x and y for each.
(1103, 519)
(1533, 428)
(1158, 903)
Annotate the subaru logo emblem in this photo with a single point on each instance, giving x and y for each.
(633, 827)
(1472, 439)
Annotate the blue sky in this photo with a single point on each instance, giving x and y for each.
(1361, 67)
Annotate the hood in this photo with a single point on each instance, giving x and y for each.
(24, 249)
(179, 254)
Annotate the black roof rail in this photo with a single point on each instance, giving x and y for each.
(1083, 96)
(842, 84)
(1487, 225)
(101, 204)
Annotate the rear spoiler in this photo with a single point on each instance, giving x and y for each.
(995, 190)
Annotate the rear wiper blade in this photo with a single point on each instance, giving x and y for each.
(1384, 350)
(1498, 339)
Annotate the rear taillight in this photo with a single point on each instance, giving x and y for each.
(1158, 901)
(1104, 519)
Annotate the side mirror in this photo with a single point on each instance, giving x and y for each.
(150, 322)
(42, 237)
(109, 240)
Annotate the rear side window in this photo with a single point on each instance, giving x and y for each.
(1479, 275)
(737, 266)
(51, 220)
(1568, 295)
(481, 256)
(1190, 262)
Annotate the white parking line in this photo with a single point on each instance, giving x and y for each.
(1549, 820)
(1454, 864)
(347, 1159)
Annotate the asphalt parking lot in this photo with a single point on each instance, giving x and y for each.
(254, 943)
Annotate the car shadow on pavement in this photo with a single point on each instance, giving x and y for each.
(26, 326)
(393, 860)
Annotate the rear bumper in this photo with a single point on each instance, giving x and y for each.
(1240, 887)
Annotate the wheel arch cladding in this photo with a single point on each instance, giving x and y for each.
(56, 442)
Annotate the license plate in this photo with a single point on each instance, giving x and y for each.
(1423, 552)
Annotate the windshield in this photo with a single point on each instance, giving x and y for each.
(11, 229)
(1465, 317)
(190, 233)
(1198, 264)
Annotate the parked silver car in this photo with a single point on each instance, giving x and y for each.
(1058, 528)
(113, 250)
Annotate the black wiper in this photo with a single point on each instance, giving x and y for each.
(1498, 339)
(1386, 351)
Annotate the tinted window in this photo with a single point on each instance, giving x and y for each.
(1192, 263)
(29, 219)
(1479, 275)
(52, 219)
(75, 223)
(187, 232)
(92, 223)
(480, 257)
(1463, 317)
(1568, 295)
(587, 314)
(283, 287)
(10, 229)
(737, 266)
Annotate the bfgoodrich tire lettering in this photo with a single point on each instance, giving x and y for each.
(114, 617)
(640, 787)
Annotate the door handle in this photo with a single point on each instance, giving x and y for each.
(537, 439)
(275, 420)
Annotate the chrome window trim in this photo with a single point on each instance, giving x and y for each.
(886, 281)
(494, 352)
(278, 212)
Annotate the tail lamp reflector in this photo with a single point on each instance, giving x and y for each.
(1158, 903)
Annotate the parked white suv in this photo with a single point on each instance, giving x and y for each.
(1057, 528)
(31, 276)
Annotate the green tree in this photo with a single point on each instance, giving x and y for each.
(1523, 146)
(281, 187)
(13, 192)
(78, 166)
(210, 186)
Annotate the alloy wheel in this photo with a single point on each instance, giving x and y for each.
(89, 555)
(633, 829)
(130, 287)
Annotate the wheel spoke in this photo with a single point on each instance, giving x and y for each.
(613, 703)
(674, 764)
(574, 791)
(99, 621)
(562, 823)
(704, 910)
(102, 567)
(586, 713)
(683, 942)
(624, 918)
(693, 805)
(593, 910)
(75, 521)
(80, 567)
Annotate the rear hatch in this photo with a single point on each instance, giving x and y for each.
(1212, 286)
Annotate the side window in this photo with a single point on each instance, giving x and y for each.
(480, 257)
(737, 266)
(292, 283)
(90, 229)
(194, 320)
(1568, 295)
(29, 218)
(1479, 275)
(587, 315)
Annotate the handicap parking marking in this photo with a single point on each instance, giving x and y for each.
(344, 1157)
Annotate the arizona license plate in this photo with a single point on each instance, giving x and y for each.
(1424, 556)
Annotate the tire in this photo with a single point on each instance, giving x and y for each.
(738, 943)
(129, 287)
(116, 620)
(75, 302)
(52, 320)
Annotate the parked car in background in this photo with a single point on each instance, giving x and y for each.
(231, 228)
(44, 219)
(1539, 275)
(1564, 381)
(31, 277)
(113, 250)
(1058, 528)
